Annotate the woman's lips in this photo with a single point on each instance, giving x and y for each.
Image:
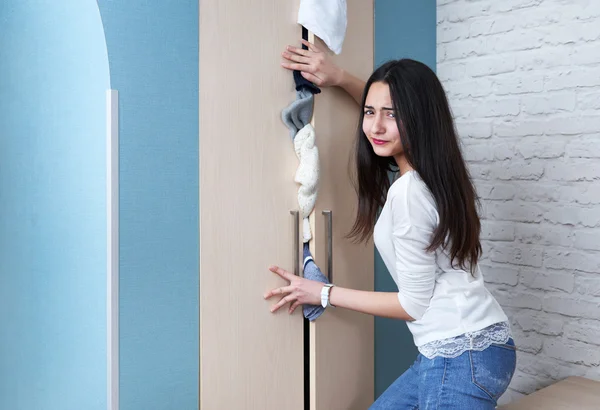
(378, 141)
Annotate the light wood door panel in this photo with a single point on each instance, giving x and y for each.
(249, 358)
(341, 341)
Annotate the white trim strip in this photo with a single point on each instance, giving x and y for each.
(112, 255)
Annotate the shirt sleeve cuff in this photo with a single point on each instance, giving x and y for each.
(414, 310)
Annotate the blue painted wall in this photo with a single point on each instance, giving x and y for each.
(153, 56)
(403, 29)
(53, 79)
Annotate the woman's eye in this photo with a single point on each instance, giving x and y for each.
(368, 112)
(391, 115)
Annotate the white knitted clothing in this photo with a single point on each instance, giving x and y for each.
(307, 174)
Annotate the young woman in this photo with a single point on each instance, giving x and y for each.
(427, 234)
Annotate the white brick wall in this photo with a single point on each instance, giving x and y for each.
(523, 79)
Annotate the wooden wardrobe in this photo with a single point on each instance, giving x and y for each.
(250, 358)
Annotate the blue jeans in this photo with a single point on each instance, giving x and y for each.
(474, 381)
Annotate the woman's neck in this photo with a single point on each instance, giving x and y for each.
(402, 163)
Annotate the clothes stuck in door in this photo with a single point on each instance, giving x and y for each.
(312, 272)
(296, 115)
(307, 175)
(327, 19)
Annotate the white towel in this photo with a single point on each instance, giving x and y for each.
(326, 19)
(307, 175)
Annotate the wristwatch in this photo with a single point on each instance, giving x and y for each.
(325, 295)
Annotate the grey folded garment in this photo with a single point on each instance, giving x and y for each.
(296, 115)
(312, 272)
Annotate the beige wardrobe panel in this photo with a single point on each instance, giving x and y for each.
(342, 342)
(250, 359)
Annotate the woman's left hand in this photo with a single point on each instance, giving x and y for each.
(300, 291)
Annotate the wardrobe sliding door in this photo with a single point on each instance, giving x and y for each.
(342, 342)
(249, 358)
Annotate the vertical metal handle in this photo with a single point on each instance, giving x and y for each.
(296, 242)
(329, 229)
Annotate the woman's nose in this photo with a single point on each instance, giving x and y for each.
(377, 126)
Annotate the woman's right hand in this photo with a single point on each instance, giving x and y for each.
(314, 64)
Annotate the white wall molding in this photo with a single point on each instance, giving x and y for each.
(112, 253)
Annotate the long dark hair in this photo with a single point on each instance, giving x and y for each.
(431, 147)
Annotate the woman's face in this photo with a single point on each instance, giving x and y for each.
(379, 122)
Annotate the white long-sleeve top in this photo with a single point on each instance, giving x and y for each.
(444, 301)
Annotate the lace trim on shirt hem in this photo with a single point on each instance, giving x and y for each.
(498, 333)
